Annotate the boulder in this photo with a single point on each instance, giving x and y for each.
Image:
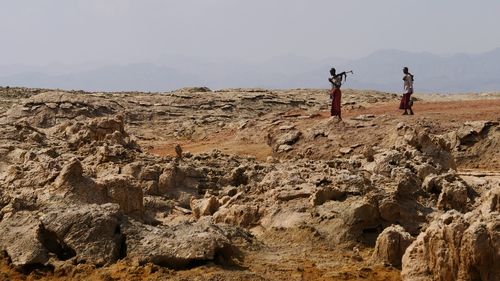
(72, 184)
(386, 161)
(360, 215)
(390, 209)
(105, 129)
(169, 179)
(22, 238)
(283, 142)
(92, 232)
(175, 247)
(391, 245)
(453, 196)
(71, 174)
(205, 206)
(472, 131)
(122, 190)
(324, 194)
(457, 246)
(407, 182)
(454, 193)
(240, 215)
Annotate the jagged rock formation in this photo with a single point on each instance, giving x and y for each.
(78, 187)
(391, 245)
(458, 246)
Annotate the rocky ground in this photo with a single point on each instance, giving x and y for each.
(247, 184)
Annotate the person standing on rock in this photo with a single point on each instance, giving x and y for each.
(335, 93)
(406, 102)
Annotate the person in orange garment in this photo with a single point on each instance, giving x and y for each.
(406, 102)
(335, 93)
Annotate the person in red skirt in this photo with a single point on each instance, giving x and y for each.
(406, 102)
(335, 93)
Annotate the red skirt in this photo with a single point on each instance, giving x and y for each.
(405, 101)
(335, 94)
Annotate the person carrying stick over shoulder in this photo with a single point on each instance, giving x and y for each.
(335, 93)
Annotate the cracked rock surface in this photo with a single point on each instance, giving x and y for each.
(112, 184)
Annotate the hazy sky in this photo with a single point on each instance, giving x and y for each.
(77, 31)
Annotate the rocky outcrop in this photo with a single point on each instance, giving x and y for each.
(453, 192)
(76, 188)
(391, 245)
(240, 215)
(283, 142)
(22, 238)
(177, 247)
(475, 143)
(204, 207)
(458, 246)
(90, 232)
(325, 194)
(122, 191)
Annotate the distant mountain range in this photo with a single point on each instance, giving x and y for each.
(379, 71)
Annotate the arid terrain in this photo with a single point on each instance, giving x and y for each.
(248, 184)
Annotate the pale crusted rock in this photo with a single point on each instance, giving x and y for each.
(169, 179)
(150, 173)
(368, 152)
(287, 127)
(133, 169)
(123, 191)
(21, 237)
(407, 182)
(492, 202)
(236, 177)
(480, 250)
(175, 247)
(324, 194)
(91, 231)
(71, 173)
(105, 129)
(435, 183)
(284, 148)
(435, 253)
(424, 170)
(283, 142)
(345, 150)
(241, 215)
(391, 245)
(291, 194)
(74, 185)
(385, 161)
(457, 246)
(454, 193)
(289, 138)
(369, 193)
(205, 206)
(360, 215)
(390, 210)
(471, 131)
(453, 197)
(426, 145)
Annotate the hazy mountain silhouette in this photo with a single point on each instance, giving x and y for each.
(380, 70)
(130, 77)
(457, 73)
